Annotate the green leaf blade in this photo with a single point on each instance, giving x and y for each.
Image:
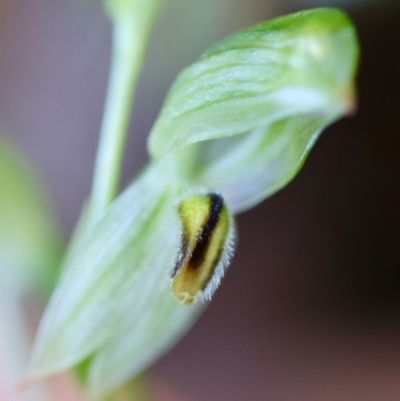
(30, 241)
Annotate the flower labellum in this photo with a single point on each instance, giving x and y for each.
(207, 243)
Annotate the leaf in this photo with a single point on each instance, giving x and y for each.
(29, 253)
(29, 236)
(271, 89)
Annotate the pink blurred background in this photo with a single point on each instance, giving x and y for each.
(310, 309)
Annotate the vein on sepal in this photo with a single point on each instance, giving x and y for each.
(108, 283)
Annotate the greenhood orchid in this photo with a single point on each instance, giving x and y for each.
(236, 127)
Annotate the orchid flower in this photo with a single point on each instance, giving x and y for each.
(236, 126)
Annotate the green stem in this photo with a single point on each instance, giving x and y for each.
(127, 57)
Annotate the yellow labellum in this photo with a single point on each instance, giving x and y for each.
(206, 247)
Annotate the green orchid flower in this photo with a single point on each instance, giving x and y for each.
(236, 127)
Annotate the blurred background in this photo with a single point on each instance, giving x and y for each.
(310, 309)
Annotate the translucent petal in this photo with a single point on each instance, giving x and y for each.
(246, 169)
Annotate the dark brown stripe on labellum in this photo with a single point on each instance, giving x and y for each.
(199, 250)
(183, 252)
(206, 241)
(203, 241)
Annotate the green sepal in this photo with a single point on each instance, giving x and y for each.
(115, 287)
(289, 78)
